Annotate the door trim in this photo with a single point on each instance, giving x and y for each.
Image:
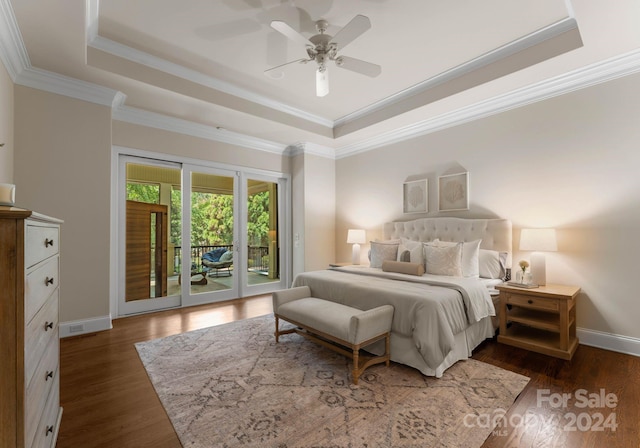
(169, 159)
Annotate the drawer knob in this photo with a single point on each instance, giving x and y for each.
(48, 375)
(48, 281)
(48, 242)
(529, 301)
(48, 326)
(49, 430)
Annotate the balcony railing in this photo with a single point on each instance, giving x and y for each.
(258, 257)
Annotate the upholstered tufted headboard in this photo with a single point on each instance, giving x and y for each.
(496, 234)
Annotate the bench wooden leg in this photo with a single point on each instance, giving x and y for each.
(356, 364)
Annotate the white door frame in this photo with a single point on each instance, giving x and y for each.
(117, 217)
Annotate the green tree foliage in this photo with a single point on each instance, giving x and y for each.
(211, 215)
(149, 193)
(258, 225)
(211, 219)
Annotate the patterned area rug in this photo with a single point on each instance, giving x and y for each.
(233, 386)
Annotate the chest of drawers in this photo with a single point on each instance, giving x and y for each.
(30, 409)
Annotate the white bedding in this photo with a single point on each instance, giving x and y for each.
(437, 320)
(434, 334)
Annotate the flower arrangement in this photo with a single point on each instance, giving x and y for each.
(524, 264)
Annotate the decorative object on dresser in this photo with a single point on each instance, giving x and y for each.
(538, 240)
(542, 320)
(30, 409)
(356, 237)
(7, 194)
(416, 196)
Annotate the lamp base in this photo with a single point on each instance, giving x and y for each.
(538, 268)
(355, 254)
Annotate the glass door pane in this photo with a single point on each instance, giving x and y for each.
(212, 227)
(151, 235)
(263, 255)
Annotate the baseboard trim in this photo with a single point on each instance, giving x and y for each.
(609, 341)
(84, 326)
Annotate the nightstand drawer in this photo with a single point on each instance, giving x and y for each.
(538, 303)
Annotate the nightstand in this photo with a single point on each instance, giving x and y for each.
(542, 319)
(339, 265)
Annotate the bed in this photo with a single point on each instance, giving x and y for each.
(439, 318)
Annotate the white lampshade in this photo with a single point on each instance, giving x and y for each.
(356, 237)
(541, 240)
(538, 240)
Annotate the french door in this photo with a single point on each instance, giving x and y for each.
(193, 234)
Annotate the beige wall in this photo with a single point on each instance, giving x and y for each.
(62, 164)
(62, 168)
(570, 162)
(319, 212)
(6, 126)
(313, 212)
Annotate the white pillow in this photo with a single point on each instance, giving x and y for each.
(382, 251)
(444, 260)
(470, 256)
(415, 248)
(492, 263)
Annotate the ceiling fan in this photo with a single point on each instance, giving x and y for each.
(322, 48)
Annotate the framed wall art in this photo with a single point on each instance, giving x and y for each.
(416, 196)
(453, 192)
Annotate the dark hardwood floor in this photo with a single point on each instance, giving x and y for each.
(109, 401)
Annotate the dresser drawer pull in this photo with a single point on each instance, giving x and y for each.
(48, 375)
(529, 301)
(48, 242)
(48, 326)
(49, 430)
(48, 281)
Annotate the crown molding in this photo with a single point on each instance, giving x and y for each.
(13, 53)
(590, 75)
(140, 57)
(67, 86)
(310, 148)
(159, 121)
(483, 60)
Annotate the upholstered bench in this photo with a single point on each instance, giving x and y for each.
(334, 325)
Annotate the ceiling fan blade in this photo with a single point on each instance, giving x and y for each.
(359, 66)
(322, 82)
(276, 72)
(358, 25)
(292, 34)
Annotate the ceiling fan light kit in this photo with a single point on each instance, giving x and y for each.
(324, 47)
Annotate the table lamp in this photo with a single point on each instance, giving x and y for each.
(356, 237)
(538, 240)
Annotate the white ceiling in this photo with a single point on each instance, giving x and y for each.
(203, 60)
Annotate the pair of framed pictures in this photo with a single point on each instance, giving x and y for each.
(453, 194)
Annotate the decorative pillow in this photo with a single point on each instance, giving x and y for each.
(404, 256)
(492, 264)
(470, 254)
(381, 251)
(227, 256)
(403, 267)
(444, 260)
(416, 251)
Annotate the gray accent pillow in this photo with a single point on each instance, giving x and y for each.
(382, 251)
